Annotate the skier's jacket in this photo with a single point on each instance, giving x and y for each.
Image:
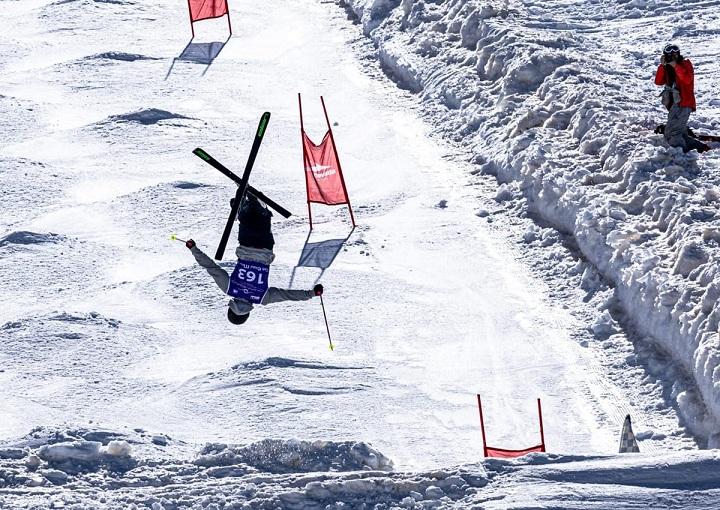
(684, 82)
(222, 279)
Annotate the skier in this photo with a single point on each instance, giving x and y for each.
(676, 74)
(247, 285)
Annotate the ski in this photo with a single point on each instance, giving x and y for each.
(242, 186)
(707, 138)
(660, 129)
(230, 174)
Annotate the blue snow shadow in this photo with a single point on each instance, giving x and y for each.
(319, 254)
(199, 53)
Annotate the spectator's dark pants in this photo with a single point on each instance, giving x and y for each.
(676, 130)
(255, 226)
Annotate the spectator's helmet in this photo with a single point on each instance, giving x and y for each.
(671, 50)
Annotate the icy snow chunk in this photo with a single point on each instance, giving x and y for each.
(160, 440)
(416, 496)
(504, 193)
(590, 280)
(228, 471)
(54, 476)
(216, 454)
(118, 449)
(83, 451)
(33, 462)
(434, 492)
(691, 256)
(35, 481)
(531, 234)
(12, 453)
(604, 326)
(470, 32)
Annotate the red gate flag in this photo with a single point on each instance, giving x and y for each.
(323, 174)
(208, 9)
(490, 451)
(501, 453)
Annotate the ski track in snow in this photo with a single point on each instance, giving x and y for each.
(116, 356)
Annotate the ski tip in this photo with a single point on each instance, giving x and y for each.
(263, 125)
(201, 154)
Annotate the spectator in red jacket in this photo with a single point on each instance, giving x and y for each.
(676, 74)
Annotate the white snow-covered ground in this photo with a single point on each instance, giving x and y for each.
(117, 363)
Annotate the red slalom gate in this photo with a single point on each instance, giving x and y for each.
(324, 179)
(503, 453)
(208, 9)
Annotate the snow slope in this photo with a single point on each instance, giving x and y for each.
(111, 326)
(558, 102)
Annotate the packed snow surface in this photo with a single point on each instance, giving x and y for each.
(126, 384)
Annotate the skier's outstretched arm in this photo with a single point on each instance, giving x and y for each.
(218, 273)
(275, 295)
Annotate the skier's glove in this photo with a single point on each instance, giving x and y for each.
(318, 289)
(190, 243)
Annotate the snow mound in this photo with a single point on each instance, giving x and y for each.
(147, 117)
(278, 362)
(278, 456)
(118, 2)
(27, 238)
(122, 56)
(188, 185)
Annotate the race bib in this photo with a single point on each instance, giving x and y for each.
(249, 281)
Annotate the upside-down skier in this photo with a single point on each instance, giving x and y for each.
(248, 283)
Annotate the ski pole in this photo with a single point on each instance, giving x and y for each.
(326, 323)
(173, 237)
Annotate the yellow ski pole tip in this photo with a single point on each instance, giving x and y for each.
(173, 237)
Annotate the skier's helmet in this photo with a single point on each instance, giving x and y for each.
(237, 319)
(671, 49)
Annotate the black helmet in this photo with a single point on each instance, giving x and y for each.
(237, 319)
(670, 49)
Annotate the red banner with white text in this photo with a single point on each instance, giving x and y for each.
(322, 171)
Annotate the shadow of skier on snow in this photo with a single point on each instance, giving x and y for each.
(199, 53)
